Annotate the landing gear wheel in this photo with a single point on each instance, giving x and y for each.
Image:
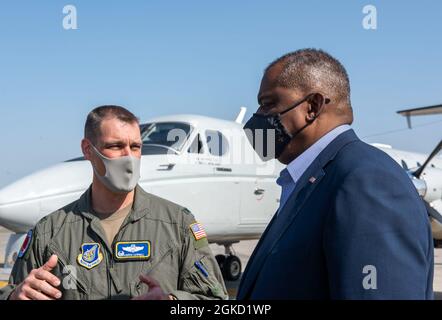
(232, 268)
(220, 258)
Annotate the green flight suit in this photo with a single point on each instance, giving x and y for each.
(184, 266)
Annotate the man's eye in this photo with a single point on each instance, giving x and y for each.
(264, 108)
(267, 106)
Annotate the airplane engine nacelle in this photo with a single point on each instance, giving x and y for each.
(433, 180)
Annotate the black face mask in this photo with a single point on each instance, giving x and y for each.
(275, 136)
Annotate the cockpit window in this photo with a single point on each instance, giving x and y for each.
(217, 143)
(164, 137)
(196, 146)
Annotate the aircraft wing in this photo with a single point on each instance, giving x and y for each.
(423, 111)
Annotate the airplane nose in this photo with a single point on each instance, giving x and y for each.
(26, 201)
(16, 207)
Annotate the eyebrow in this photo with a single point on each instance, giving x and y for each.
(112, 142)
(264, 96)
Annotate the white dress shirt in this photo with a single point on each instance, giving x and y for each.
(295, 169)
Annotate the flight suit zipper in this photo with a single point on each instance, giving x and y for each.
(64, 267)
(110, 257)
(109, 280)
(76, 280)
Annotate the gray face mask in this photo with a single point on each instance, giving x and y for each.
(122, 174)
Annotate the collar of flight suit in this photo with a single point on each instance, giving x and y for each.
(140, 206)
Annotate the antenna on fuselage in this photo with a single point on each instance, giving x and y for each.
(240, 117)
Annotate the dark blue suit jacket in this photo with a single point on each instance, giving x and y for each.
(359, 231)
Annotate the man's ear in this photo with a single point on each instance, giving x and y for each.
(86, 149)
(315, 104)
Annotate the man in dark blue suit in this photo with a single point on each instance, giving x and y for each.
(350, 224)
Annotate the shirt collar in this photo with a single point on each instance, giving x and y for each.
(140, 206)
(297, 167)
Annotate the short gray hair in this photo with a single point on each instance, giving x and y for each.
(314, 69)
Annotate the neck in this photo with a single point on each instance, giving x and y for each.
(106, 201)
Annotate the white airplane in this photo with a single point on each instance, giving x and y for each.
(234, 198)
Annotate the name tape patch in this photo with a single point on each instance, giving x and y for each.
(133, 250)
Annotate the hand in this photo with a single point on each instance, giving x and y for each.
(39, 284)
(154, 292)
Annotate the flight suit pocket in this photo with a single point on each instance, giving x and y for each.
(155, 269)
(199, 279)
(135, 289)
(72, 286)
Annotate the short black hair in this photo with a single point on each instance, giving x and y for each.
(312, 69)
(96, 116)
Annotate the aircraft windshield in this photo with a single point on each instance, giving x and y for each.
(163, 137)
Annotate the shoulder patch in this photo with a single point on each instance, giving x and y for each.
(26, 244)
(198, 231)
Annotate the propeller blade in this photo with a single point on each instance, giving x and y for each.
(433, 212)
(436, 150)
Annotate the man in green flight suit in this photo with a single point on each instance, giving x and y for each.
(116, 241)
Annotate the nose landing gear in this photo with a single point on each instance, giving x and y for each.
(229, 263)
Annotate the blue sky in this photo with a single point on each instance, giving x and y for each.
(204, 57)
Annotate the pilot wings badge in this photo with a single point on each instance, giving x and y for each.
(132, 250)
(90, 255)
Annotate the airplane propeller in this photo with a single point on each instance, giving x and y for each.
(433, 212)
(421, 169)
(417, 174)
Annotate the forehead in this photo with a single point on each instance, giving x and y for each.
(269, 85)
(113, 128)
(270, 78)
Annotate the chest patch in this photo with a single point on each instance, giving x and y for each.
(90, 255)
(132, 250)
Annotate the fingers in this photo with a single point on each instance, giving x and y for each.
(151, 282)
(29, 293)
(51, 263)
(18, 294)
(40, 284)
(45, 288)
(44, 275)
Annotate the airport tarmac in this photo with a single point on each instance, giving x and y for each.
(243, 250)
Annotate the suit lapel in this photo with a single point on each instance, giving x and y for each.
(252, 258)
(279, 226)
(280, 223)
(305, 186)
